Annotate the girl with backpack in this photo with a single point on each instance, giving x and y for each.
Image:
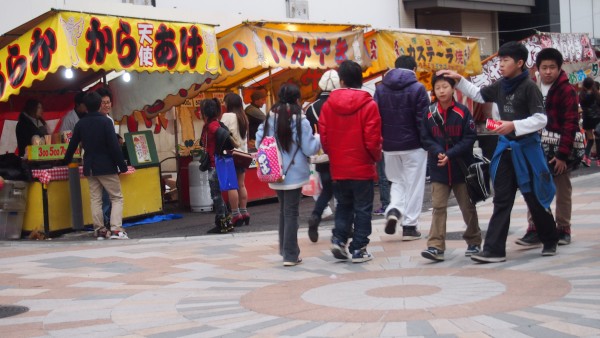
(211, 113)
(236, 121)
(589, 100)
(296, 142)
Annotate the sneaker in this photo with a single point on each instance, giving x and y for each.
(391, 220)
(119, 235)
(472, 249)
(313, 227)
(379, 212)
(338, 249)
(361, 255)
(102, 234)
(433, 254)
(549, 249)
(586, 161)
(410, 234)
(487, 257)
(531, 238)
(327, 212)
(564, 238)
(299, 261)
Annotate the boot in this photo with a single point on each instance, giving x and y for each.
(221, 225)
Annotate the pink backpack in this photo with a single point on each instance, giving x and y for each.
(269, 163)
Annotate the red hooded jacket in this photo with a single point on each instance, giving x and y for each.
(350, 127)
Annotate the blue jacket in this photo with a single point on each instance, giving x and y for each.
(403, 102)
(102, 153)
(299, 171)
(460, 127)
(527, 153)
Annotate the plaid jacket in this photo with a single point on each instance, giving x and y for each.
(563, 117)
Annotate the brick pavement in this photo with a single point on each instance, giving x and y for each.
(234, 285)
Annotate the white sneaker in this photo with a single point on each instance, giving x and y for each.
(119, 235)
(327, 212)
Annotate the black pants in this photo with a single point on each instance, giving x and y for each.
(505, 189)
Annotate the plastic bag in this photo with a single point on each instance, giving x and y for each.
(226, 172)
(313, 187)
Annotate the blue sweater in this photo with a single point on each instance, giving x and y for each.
(299, 172)
(527, 153)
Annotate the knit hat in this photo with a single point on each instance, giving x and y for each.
(329, 81)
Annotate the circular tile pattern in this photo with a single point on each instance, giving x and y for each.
(427, 293)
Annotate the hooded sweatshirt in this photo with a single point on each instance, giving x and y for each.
(403, 102)
(350, 128)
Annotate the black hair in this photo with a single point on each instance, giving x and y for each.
(78, 99)
(286, 106)
(209, 109)
(103, 91)
(92, 101)
(406, 62)
(549, 54)
(589, 84)
(351, 73)
(258, 94)
(234, 104)
(30, 107)
(516, 51)
(437, 78)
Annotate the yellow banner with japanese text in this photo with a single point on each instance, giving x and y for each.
(432, 53)
(96, 42)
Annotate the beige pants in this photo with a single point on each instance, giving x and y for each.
(437, 233)
(112, 184)
(564, 192)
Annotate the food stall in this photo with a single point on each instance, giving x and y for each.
(255, 53)
(87, 48)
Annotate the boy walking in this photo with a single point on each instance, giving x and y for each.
(350, 129)
(518, 162)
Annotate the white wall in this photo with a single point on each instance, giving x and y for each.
(580, 16)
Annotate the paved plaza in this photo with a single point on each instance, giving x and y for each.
(234, 285)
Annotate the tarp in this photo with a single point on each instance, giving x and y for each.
(579, 58)
(83, 42)
(432, 53)
(251, 48)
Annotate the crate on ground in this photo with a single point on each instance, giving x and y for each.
(11, 224)
(13, 195)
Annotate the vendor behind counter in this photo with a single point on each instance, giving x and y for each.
(31, 127)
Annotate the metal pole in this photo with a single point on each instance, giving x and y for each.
(75, 194)
(45, 208)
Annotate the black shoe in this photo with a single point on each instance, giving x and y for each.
(410, 233)
(487, 257)
(392, 218)
(338, 248)
(472, 249)
(564, 238)
(433, 254)
(531, 238)
(217, 230)
(549, 249)
(313, 226)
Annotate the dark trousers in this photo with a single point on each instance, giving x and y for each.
(505, 189)
(215, 193)
(289, 211)
(326, 193)
(354, 206)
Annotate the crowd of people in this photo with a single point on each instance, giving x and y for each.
(397, 137)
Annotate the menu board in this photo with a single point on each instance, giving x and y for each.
(141, 148)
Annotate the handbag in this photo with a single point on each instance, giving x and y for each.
(551, 142)
(226, 172)
(241, 159)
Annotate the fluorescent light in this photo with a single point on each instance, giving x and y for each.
(126, 77)
(69, 73)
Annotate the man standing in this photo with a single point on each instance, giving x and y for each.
(102, 161)
(350, 129)
(518, 161)
(255, 115)
(72, 117)
(106, 109)
(402, 102)
(563, 118)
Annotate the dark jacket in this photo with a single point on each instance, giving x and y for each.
(563, 117)
(460, 127)
(255, 118)
(312, 114)
(350, 128)
(102, 153)
(403, 102)
(25, 130)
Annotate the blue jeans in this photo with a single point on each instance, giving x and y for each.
(106, 207)
(354, 206)
(326, 193)
(384, 184)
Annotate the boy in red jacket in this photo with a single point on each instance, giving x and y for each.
(350, 128)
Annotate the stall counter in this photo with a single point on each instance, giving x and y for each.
(141, 193)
